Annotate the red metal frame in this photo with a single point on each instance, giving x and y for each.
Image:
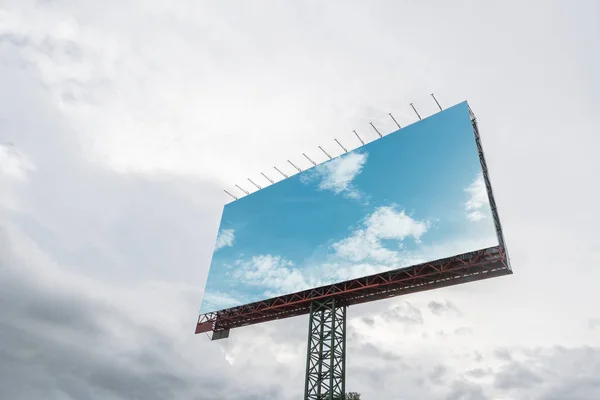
(468, 267)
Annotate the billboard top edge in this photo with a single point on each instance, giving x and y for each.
(364, 144)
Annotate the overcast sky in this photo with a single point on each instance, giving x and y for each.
(121, 122)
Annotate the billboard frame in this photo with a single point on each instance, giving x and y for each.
(468, 267)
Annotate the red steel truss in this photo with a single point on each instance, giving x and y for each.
(468, 267)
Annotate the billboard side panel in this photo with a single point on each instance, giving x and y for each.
(488, 184)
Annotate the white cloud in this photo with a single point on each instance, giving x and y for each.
(337, 175)
(363, 245)
(340, 271)
(360, 254)
(215, 300)
(15, 168)
(225, 238)
(14, 164)
(274, 273)
(388, 222)
(475, 207)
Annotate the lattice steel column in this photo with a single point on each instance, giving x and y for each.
(326, 353)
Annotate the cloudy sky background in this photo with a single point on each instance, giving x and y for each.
(413, 196)
(121, 123)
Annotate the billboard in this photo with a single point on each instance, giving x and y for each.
(413, 196)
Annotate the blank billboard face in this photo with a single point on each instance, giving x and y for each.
(413, 196)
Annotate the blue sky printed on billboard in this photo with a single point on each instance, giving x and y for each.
(413, 196)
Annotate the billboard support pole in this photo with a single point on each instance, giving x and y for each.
(326, 351)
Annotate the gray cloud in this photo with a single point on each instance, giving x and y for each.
(405, 313)
(559, 373)
(516, 375)
(503, 354)
(57, 342)
(79, 341)
(368, 320)
(438, 373)
(463, 331)
(368, 350)
(465, 390)
(446, 308)
(477, 373)
(93, 300)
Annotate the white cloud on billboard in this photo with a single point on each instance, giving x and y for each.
(391, 222)
(274, 273)
(362, 253)
(220, 300)
(362, 245)
(337, 175)
(387, 222)
(225, 238)
(478, 199)
(346, 271)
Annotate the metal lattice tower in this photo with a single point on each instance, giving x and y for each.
(326, 358)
